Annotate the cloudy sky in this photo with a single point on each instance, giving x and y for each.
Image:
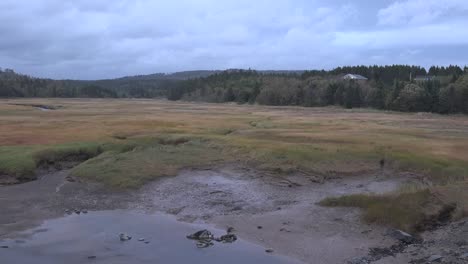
(87, 39)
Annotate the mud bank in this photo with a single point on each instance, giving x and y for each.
(275, 211)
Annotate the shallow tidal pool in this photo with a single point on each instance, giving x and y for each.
(94, 238)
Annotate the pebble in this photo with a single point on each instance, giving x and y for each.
(141, 239)
(269, 250)
(259, 227)
(124, 237)
(147, 242)
(434, 258)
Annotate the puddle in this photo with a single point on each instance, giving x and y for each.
(73, 239)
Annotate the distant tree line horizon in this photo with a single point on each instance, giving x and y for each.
(389, 87)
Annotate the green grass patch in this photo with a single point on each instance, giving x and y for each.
(148, 160)
(22, 161)
(405, 211)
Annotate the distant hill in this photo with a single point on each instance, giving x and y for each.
(183, 75)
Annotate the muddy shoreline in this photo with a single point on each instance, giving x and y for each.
(273, 211)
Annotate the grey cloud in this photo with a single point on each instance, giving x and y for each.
(103, 39)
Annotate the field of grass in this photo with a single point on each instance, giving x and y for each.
(130, 142)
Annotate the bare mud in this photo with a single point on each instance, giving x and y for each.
(28, 204)
(275, 211)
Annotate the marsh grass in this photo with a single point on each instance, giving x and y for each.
(403, 211)
(128, 142)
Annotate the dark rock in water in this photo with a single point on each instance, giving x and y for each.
(269, 250)
(201, 235)
(403, 236)
(124, 237)
(92, 257)
(230, 230)
(68, 212)
(204, 244)
(229, 238)
(141, 239)
(4, 247)
(147, 242)
(259, 227)
(77, 211)
(84, 211)
(435, 258)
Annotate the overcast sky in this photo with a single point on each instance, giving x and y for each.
(88, 39)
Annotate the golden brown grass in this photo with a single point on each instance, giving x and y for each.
(323, 140)
(135, 141)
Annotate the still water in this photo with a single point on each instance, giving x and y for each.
(94, 238)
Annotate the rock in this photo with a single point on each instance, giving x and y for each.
(70, 179)
(403, 236)
(230, 230)
(141, 239)
(92, 257)
(435, 258)
(84, 211)
(4, 247)
(204, 244)
(147, 242)
(77, 211)
(68, 212)
(362, 260)
(259, 227)
(229, 238)
(269, 250)
(124, 237)
(201, 235)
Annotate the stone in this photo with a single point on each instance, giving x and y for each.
(362, 260)
(147, 242)
(201, 235)
(77, 211)
(435, 258)
(141, 239)
(4, 247)
(124, 237)
(230, 230)
(92, 257)
(84, 211)
(269, 250)
(259, 227)
(403, 236)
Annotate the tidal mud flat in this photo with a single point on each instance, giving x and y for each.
(273, 213)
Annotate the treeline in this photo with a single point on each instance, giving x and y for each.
(389, 87)
(18, 85)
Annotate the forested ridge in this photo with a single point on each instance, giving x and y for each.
(393, 87)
